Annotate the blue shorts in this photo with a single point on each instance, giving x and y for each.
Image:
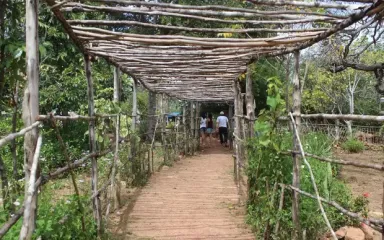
(209, 130)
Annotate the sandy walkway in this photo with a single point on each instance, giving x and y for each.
(194, 199)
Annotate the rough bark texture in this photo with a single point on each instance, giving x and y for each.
(296, 159)
(250, 103)
(92, 144)
(31, 107)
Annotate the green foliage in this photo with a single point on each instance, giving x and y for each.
(57, 220)
(353, 145)
(269, 166)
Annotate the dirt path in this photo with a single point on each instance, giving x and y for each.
(364, 180)
(194, 199)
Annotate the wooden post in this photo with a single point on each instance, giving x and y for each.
(92, 143)
(151, 118)
(185, 132)
(31, 110)
(134, 105)
(296, 158)
(197, 125)
(135, 155)
(231, 125)
(116, 85)
(250, 101)
(163, 127)
(115, 180)
(237, 132)
(192, 129)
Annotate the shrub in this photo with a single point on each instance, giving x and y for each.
(353, 145)
(269, 165)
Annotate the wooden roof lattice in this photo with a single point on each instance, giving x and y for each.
(198, 63)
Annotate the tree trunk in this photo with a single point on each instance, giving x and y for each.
(92, 145)
(296, 157)
(31, 110)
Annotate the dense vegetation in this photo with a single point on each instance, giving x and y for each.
(270, 166)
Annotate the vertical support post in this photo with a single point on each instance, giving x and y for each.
(31, 111)
(287, 105)
(151, 118)
(116, 85)
(134, 105)
(192, 130)
(92, 143)
(197, 124)
(115, 180)
(135, 156)
(231, 126)
(185, 132)
(163, 127)
(296, 157)
(237, 132)
(250, 101)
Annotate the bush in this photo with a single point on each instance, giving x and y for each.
(353, 145)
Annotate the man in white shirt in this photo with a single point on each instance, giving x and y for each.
(222, 127)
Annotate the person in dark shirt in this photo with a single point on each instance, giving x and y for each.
(209, 128)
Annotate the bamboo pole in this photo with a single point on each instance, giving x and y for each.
(296, 132)
(20, 133)
(30, 112)
(281, 202)
(296, 159)
(360, 218)
(30, 208)
(250, 102)
(379, 167)
(42, 180)
(92, 141)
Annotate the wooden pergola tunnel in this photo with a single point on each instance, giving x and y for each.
(179, 61)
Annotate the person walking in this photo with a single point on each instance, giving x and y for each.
(210, 128)
(222, 127)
